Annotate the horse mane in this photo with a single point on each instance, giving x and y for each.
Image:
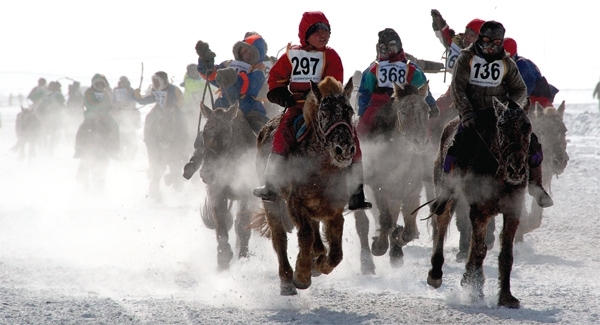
(326, 87)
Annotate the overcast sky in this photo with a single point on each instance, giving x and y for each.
(65, 38)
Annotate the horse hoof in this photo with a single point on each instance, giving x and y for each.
(397, 236)
(314, 273)
(396, 256)
(380, 245)
(509, 301)
(461, 257)
(366, 263)
(435, 283)
(301, 285)
(287, 289)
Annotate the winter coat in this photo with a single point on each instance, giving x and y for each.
(97, 103)
(500, 79)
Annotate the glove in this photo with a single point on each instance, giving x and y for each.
(206, 55)
(281, 96)
(226, 77)
(137, 93)
(438, 21)
(434, 111)
(468, 119)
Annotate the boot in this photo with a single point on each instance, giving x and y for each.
(196, 161)
(536, 190)
(270, 190)
(355, 182)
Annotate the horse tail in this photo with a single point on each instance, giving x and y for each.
(207, 216)
(260, 223)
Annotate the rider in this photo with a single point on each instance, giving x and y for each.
(38, 92)
(538, 88)
(240, 80)
(97, 102)
(289, 90)
(453, 43)
(472, 94)
(376, 86)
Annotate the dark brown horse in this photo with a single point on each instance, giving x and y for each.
(551, 131)
(27, 129)
(315, 190)
(394, 171)
(229, 144)
(491, 179)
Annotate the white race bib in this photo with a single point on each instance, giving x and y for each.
(389, 73)
(121, 94)
(453, 53)
(306, 66)
(160, 97)
(486, 74)
(239, 66)
(99, 96)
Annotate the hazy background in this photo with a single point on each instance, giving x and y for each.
(65, 38)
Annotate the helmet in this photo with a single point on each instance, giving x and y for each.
(475, 25)
(510, 46)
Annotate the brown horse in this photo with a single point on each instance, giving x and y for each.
(229, 144)
(551, 131)
(394, 171)
(491, 179)
(314, 189)
(27, 129)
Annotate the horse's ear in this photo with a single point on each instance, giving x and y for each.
(206, 112)
(231, 113)
(561, 109)
(314, 87)
(424, 90)
(498, 106)
(349, 88)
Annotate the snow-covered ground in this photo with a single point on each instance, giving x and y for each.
(70, 257)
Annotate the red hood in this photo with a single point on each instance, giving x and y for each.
(308, 19)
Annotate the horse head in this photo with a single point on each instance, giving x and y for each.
(548, 125)
(514, 134)
(328, 112)
(218, 137)
(412, 114)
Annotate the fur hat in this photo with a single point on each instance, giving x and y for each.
(510, 46)
(255, 44)
(475, 25)
(124, 82)
(492, 30)
(99, 78)
(387, 35)
(163, 79)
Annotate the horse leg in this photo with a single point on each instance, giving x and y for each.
(319, 248)
(242, 229)
(463, 224)
(396, 241)
(306, 239)
(224, 223)
(411, 231)
(505, 260)
(362, 228)
(274, 212)
(381, 243)
(490, 238)
(474, 276)
(334, 229)
(440, 229)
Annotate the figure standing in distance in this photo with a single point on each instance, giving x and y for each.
(597, 93)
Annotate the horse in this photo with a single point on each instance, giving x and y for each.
(394, 171)
(96, 142)
(229, 143)
(27, 128)
(551, 131)
(490, 179)
(165, 137)
(314, 191)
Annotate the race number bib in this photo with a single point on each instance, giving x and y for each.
(486, 74)
(306, 66)
(268, 65)
(239, 66)
(121, 95)
(389, 73)
(160, 97)
(99, 96)
(453, 53)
